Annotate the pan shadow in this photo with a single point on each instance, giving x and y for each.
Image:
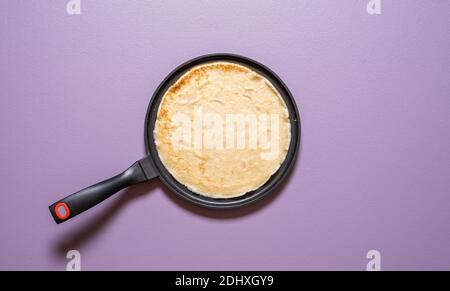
(86, 232)
(232, 213)
(78, 237)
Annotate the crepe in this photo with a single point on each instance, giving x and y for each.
(205, 130)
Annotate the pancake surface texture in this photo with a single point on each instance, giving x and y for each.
(225, 169)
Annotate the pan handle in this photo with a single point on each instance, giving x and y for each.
(82, 200)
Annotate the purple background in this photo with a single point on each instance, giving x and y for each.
(373, 171)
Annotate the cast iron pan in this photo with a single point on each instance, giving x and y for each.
(151, 167)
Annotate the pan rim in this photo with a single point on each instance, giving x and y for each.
(220, 203)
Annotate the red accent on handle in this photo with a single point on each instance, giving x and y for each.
(66, 208)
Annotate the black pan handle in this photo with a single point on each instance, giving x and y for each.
(82, 200)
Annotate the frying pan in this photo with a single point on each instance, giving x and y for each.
(151, 166)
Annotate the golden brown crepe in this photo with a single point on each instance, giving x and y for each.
(227, 90)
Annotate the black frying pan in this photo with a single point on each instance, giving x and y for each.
(151, 167)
